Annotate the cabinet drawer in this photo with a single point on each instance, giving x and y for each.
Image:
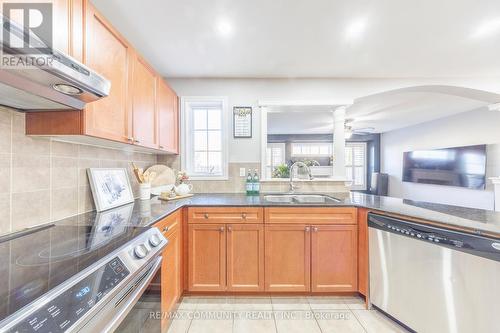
(170, 223)
(314, 215)
(225, 215)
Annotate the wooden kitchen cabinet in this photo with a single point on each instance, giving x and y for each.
(171, 273)
(225, 215)
(144, 115)
(334, 264)
(363, 268)
(310, 215)
(109, 54)
(245, 257)
(207, 257)
(141, 108)
(287, 257)
(168, 117)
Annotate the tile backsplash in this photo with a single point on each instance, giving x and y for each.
(43, 180)
(236, 183)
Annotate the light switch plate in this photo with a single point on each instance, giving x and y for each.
(242, 172)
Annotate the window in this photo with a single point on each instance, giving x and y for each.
(275, 156)
(204, 143)
(355, 164)
(312, 149)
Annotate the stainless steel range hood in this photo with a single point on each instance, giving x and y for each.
(59, 83)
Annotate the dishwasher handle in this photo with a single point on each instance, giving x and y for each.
(130, 298)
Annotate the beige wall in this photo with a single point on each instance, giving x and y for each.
(42, 180)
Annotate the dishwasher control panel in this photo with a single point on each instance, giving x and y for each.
(465, 242)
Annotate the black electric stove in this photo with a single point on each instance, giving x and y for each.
(35, 262)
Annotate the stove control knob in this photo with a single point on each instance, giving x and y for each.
(141, 251)
(154, 240)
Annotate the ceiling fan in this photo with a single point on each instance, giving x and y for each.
(349, 131)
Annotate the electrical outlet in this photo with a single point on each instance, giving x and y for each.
(242, 172)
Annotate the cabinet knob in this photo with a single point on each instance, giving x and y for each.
(307, 229)
(221, 229)
(205, 216)
(229, 229)
(244, 215)
(165, 229)
(315, 229)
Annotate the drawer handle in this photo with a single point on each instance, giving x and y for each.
(307, 229)
(165, 229)
(205, 216)
(229, 229)
(244, 215)
(221, 229)
(315, 229)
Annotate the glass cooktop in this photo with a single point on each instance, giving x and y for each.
(33, 263)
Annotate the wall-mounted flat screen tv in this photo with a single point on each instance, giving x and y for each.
(458, 166)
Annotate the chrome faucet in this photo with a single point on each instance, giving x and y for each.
(293, 187)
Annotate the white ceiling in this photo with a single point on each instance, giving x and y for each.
(308, 121)
(411, 106)
(382, 112)
(315, 38)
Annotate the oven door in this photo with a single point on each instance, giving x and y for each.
(145, 315)
(135, 309)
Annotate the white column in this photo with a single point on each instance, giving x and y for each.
(496, 184)
(339, 143)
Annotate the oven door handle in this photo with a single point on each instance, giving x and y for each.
(133, 297)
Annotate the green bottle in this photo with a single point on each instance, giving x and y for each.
(256, 183)
(249, 183)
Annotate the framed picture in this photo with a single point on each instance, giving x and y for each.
(110, 187)
(242, 122)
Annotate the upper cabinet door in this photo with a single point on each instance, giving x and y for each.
(143, 104)
(109, 54)
(168, 118)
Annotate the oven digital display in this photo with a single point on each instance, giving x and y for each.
(63, 311)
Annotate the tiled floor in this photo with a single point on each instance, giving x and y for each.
(322, 314)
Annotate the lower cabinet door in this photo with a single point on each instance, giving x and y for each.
(170, 275)
(287, 257)
(334, 258)
(207, 257)
(245, 257)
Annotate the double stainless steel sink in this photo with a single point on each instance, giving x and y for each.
(300, 198)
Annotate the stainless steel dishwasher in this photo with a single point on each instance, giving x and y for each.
(433, 279)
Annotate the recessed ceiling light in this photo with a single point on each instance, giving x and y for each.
(487, 28)
(224, 28)
(355, 29)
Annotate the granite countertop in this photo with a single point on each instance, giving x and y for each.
(145, 213)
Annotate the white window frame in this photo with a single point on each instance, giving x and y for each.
(282, 147)
(187, 135)
(352, 167)
(310, 144)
